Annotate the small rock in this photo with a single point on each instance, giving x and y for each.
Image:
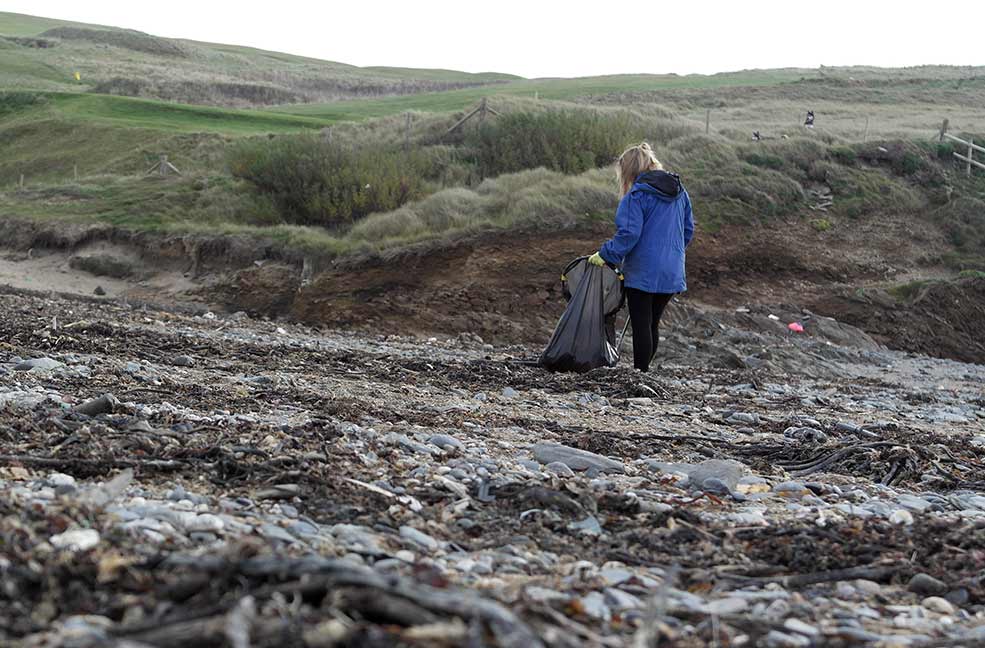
(798, 626)
(60, 479)
(777, 639)
(419, 538)
(548, 453)
(937, 604)
(727, 471)
(274, 532)
(901, 517)
(743, 418)
(99, 291)
(927, 585)
(791, 489)
(76, 539)
(279, 491)
(726, 606)
(619, 600)
(182, 361)
(205, 522)
(445, 442)
(594, 605)
(41, 364)
(805, 434)
(589, 525)
(561, 469)
(509, 392)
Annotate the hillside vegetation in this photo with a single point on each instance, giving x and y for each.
(376, 175)
(41, 53)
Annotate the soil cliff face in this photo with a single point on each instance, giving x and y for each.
(506, 287)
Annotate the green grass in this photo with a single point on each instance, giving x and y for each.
(14, 24)
(146, 113)
(549, 89)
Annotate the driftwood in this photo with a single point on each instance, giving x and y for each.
(396, 599)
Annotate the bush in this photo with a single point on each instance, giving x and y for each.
(11, 102)
(821, 224)
(963, 219)
(314, 182)
(844, 154)
(567, 141)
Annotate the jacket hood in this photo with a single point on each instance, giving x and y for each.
(663, 184)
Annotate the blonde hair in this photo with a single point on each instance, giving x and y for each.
(634, 161)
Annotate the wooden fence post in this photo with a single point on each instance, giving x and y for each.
(707, 121)
(971, 151)
(22, 181)
(865, 135)
(943, 129)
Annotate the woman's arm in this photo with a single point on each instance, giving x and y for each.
(688, 220)
(629, 225)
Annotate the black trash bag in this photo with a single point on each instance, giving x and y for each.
(580, 342)
(613, 295)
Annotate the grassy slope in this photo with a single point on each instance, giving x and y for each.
(558, 89)
(202, 63)
(14, 24)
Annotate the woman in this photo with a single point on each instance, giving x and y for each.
(653, 226)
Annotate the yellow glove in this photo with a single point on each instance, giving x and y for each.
(596, 259)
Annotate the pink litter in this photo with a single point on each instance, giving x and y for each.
(796, 327)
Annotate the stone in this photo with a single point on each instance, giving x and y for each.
(560, 469)
(60, 479)
(743, 418)
(791, 489)
(75, 539)
(901, 517)
(274, 532)
(419, 538)
(729, 605)
(509, 392)
(445, 442)
(548, 453)
(938, 604)
(38, 364)
(279, 491)
(777, 639)
(182, 361)
(726, 471)
(619, 600)
(589, 525)
(798, 626)
(595, 606)
(205, 522)
(927, 585)
(805, 434)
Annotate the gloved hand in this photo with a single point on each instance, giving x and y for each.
(596, 259)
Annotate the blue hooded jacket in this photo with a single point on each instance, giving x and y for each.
(653, 226)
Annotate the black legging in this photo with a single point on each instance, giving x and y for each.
(645, 310)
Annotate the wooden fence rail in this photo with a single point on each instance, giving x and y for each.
(968, 159)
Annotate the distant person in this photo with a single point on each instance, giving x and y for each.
(653, 226)
(809, 122)
(756, 136)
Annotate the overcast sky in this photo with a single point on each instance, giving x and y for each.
(535, 38)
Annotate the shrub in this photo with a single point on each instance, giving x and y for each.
(844, 154)
(821, 224)
(315, 182)
(11, 102)
(568, 141)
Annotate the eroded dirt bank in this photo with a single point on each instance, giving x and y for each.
(506, 288)
(265, 483)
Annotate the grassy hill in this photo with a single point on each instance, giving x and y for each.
(397, 119)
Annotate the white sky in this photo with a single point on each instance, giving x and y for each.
(574, 38)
